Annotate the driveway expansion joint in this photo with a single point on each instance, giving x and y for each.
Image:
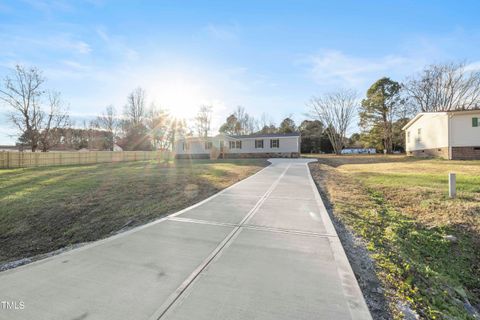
(254, 227)
(218, 250)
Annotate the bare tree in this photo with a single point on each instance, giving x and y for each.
(266, 124)
(158, 124)
(56, 118)
(134, 131)
(246, 123)
(445, 87)
(203, 121)
(109, 122)
(178, 130)
(265, 120)
(336, 110)
(22, 92)
(135, 108)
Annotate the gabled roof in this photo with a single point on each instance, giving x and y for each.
(245, 136)
(452, 112)
(265, 135)
(418, 116)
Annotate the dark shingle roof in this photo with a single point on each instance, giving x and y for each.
(266, 135)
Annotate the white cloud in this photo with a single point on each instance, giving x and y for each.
(19, 44)
(333, 67)
(75, 46)
(223, 32)
(116, 44)
(473, 66)
(75, 65)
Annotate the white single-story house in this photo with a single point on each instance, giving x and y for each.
(285, 145)
(450, 135)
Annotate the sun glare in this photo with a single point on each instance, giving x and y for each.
(180, 96)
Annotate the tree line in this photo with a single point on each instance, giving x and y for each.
(42, 117)
(43, 121)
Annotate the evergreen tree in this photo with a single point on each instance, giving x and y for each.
(378, 112)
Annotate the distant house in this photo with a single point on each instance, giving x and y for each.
(15, 148)
(359, 150)
(9, 148)
(285, 145)
(450, 135)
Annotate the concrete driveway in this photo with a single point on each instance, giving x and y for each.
(264, 248)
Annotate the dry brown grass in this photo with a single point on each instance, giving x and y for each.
(419, 188)
(48, 208)
(400, 207)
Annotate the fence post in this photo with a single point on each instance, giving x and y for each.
(8, 160)
(452, 185)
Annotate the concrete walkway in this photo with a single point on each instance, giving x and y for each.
(264, 248)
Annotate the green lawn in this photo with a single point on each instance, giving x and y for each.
(44, 209)
(400, 207)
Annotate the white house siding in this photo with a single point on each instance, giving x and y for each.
(434, 133)
(463, 134)
(287, 145)
(195, 147)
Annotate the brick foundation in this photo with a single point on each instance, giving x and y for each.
(193, 156)
(241, 155)
(437, 152)
(466, 153)
(262, 155)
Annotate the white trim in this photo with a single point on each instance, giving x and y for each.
(449, 135)
(450, 113)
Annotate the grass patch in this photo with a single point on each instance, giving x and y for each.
(400, 207)
(44, 209)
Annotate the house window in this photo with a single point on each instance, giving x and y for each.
(208, 145)
(235, 144)
(474, 122)
(258, 144)
(186, 146)
(419, 135)
(274, 143)
(408, 136)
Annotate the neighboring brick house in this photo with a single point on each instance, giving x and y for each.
(286, 145)
(451, 135)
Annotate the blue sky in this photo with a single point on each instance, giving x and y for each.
(268, 56)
